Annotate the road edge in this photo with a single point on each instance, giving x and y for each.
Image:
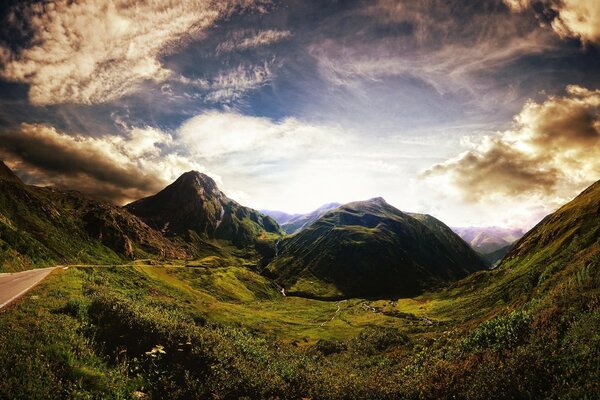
(15, 297)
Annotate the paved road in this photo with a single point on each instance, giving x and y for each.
(14, 285)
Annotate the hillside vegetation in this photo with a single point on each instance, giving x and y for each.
(44, 226)
(371, 249)
(215, 327)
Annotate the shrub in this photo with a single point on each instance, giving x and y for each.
(379, 339)
(500, 333)
(328, 347)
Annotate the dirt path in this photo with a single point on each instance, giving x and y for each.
(339, 308)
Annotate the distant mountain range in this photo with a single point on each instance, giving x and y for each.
(489, 239)
(370, 248)
(293, 223)
(360, 249)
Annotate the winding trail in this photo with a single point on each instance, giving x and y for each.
(339, 308)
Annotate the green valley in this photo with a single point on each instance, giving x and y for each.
(229, 321)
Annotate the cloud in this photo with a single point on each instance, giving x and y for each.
(231, 85)
(94, 51)
(453, 47)
(295, 164)
(573, 18)
(551, 153)
(243, 40)
(517, 5)
(217, 136)
(111, 167)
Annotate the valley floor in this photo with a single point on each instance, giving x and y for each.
(143, 331)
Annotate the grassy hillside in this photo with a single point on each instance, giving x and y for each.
(528, 329)
(494, 258)
(43, 226)
(371, 249)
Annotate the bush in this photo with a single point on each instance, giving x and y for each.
(76, 308)
(183, 360)
(500, 333)
(328, 347)
(374, 340)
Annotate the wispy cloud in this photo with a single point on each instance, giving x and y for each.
(244, 40)
(93, 51)
(451, 50)
(231, 85)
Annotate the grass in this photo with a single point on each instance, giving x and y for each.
(236, 296)
(44, 353)
(528, 329)
(227, 332)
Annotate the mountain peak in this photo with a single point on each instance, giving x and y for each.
(194, 203)
(7, 173)
(197, 179)
(370, 248)
(377, 200)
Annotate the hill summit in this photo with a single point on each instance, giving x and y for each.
(370, 248)
(194, 203)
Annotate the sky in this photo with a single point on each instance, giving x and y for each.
(479, 113)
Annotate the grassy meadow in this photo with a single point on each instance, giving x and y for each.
(146, 331)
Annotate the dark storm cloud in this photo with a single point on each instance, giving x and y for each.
(48, 150)
(109, 167)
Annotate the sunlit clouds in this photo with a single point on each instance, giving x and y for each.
(551, 153)
(477, 112)
(573, 18)
(93, 51)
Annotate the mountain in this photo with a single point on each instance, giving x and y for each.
(494, 258)
(280, 217)
(371, 249)
(572, 229)
(558, 258)
(193, 204)
(293, 223)
(489, 239)
(44, 226)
